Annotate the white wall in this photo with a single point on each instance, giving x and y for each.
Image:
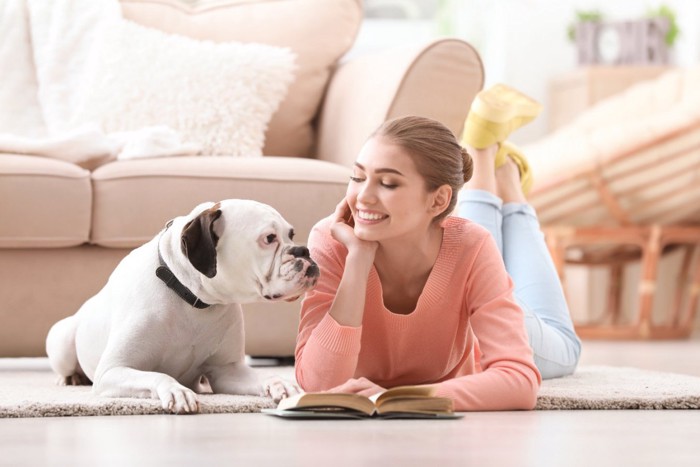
(523, 42)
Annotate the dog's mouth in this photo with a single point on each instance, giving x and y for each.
(313, 272)
(299, 270)
(291, 295)
(280, 297)
(292, 281)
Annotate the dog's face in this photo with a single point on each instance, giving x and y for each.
(245, 251)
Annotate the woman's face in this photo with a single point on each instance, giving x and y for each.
(386, 194)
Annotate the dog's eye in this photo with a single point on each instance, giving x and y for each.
(270, 239)
(291, 234)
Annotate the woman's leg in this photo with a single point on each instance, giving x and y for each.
(495, 199)
(537, 287)
(478, 202)
(515, 228)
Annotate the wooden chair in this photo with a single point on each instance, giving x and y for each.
(610, 247)
(622, 184)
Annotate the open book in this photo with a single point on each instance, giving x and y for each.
(399, 402)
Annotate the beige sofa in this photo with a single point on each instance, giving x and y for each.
(64, 228)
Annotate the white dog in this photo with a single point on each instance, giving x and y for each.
(170, 312)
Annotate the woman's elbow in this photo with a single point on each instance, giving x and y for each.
(530, 400)
(531, 387)
(309, 383)
(303, 382)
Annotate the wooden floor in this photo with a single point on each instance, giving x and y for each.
(541, 438)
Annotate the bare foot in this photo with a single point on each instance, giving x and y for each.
(483, 176)
(508, 183)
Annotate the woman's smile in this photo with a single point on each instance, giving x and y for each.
(369, 217)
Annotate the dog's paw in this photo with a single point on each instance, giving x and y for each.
(278, 388)
(176, 398)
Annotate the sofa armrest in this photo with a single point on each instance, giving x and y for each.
(436, 80)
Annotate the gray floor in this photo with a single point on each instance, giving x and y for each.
(585, 438)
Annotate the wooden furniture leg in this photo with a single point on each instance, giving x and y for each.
(647, 285)
(614, 305)
(610, 246)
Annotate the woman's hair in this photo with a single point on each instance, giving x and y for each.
(434, 149)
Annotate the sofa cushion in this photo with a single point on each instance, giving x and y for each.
(220, 96)
(45, 203)
(318, 32)
(632, 159)
(134, 199)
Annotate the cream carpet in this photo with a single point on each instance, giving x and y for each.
(27, 389)
(610, 388)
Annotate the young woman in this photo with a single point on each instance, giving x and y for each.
(408, 295)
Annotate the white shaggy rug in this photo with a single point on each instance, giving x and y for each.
(611, 388)
(27, 389)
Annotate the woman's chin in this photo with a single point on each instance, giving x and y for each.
(364, 233)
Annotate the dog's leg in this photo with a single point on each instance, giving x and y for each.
(279, 388)
(60, 347)
(239, 378)
(234, 378)
(129, 382)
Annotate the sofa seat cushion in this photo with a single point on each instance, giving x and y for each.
(134, 199)
(318, 32)
(45, 203)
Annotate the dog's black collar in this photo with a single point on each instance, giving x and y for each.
(164, 273)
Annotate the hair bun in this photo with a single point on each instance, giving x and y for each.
(468, 165)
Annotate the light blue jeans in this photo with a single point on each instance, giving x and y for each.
(538, 291)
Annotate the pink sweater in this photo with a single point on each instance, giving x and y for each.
(466, 334)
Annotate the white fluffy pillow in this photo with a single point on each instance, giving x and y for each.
(220, 95)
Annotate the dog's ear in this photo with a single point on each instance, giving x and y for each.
(198, 241)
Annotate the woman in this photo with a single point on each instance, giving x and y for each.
(408, 295)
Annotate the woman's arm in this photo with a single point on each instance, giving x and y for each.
(510, 380)
(349, 302)
(331, 315)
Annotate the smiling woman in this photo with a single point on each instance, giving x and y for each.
(394, 192)
(408, 295)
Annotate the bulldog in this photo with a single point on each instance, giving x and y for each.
(169, 318)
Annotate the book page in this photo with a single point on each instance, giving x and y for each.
(319, 400)
(416, 404)
(403, 391)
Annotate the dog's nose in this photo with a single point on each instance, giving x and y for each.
(299, 252)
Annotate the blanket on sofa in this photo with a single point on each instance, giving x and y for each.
(48, 52)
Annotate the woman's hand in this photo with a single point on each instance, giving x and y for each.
(342, 230)
(346, 309)
(361, 386)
